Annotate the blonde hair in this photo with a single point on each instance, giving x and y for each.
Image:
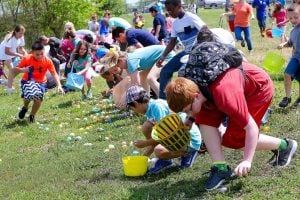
(180, 93)
(69, 26)
(111, 59)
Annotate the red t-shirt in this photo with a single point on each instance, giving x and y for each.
(242, 12)
(236, 95)
(40, 68)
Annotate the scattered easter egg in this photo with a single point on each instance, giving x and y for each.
(223, 189)
(124, 146)
(61, 125)
(78, 138)
(124, 143)
(106, 150)
(131, 143)
(266, 129)
(85, 119)
(46, 129)
(77, 119)
(135, 153)
(111, 146)
(87, 144)
(72, 134)
(81, 129)
(69, 139)
(106, 138)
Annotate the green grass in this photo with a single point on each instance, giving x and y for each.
(40, 164)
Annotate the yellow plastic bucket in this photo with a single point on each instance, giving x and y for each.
(273, 62)
(135, 165)
(171, 133)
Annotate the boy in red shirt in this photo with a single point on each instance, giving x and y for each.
(241, 95)
(34, 66)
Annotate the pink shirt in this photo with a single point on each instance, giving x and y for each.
(169, 21)
(280, 17)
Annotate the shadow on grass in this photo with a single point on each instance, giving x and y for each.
(284, 110)
(65, 104)
(16, 123)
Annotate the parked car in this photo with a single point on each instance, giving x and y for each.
(214, 3)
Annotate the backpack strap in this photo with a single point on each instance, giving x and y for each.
(207, 94)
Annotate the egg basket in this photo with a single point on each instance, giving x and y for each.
(171, 133)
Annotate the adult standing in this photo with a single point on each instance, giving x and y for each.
(159, 24)
(104, 29)
(93, 25)
(10, 48)
(242, 11)
(159, 7)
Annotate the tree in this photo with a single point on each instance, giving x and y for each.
(117, 7)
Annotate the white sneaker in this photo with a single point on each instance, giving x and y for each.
(89, 95)
(10, 91)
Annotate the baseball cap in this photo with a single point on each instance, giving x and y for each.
(134, 93)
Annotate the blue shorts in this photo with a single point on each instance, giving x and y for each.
(42, 88)
(293, 69)
(261, 22)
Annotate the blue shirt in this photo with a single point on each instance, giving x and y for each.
(159, 7)
(196, 140)
(104, 30)
(260, 5)
(134, 36)
(119, 22)
(145, 58)
(159, 19)
(157, 109)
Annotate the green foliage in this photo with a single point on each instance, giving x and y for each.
(116, 7)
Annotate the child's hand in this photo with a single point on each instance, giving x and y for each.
(280, 46)
(69, 65)
(140, 143)
(60, 90)
(243, 168)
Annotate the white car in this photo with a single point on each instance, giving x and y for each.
(214, 3)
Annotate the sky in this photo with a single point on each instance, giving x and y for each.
(132, 1)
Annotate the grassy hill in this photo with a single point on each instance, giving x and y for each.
(38, 161)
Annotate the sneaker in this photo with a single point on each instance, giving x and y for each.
(31, 119)
(10, 91)
(243, 43)
(89, 95)
(283, 158)
(160, 166)
(83, 97)
(285, 102)
(22, 113)
(217, 178)
(296, 103)
(188, 160)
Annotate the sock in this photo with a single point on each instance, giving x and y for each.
(221, 165)
(283, 145)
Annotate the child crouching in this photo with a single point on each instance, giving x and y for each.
(138, 100)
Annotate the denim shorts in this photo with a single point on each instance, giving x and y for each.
(293, 69)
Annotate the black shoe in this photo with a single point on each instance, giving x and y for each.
(218, 177)
(296, 103)
(285, 102)
(243, 43)
(202, 149)
(22, 113)
(283, 158)
(31, 119)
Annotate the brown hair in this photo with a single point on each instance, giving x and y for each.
(76, 52)
(17, 29)
(277, 7)
(180, 93)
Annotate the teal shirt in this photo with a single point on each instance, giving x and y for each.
(144, 58)
(117, 21)
(82, 61)
(157, 109)
(196, 140)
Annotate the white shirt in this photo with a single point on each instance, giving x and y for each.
(94, 26)
(13, 44)
(186, 29)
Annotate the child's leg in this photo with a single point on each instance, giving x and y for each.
(26, 103)
(13, 72)
(266, 142)
(152, 79)
(290, 71)
(287, 85)
(35, 107)
(143, 80)
(162, 153)
(238, 33)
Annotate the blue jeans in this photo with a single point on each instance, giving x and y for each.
(167, 71)
(238, 35)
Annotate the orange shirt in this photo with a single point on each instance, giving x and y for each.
(242, 12)
(40, 68)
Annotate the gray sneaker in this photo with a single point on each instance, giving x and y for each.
(296, 103)
(283, 158)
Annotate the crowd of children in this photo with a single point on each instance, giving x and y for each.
(217, 85)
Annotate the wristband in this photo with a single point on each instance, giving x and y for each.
(192, 119)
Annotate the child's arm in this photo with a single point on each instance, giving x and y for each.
(87, 66)
(135, 78)
(282, 45)
(145, 143)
